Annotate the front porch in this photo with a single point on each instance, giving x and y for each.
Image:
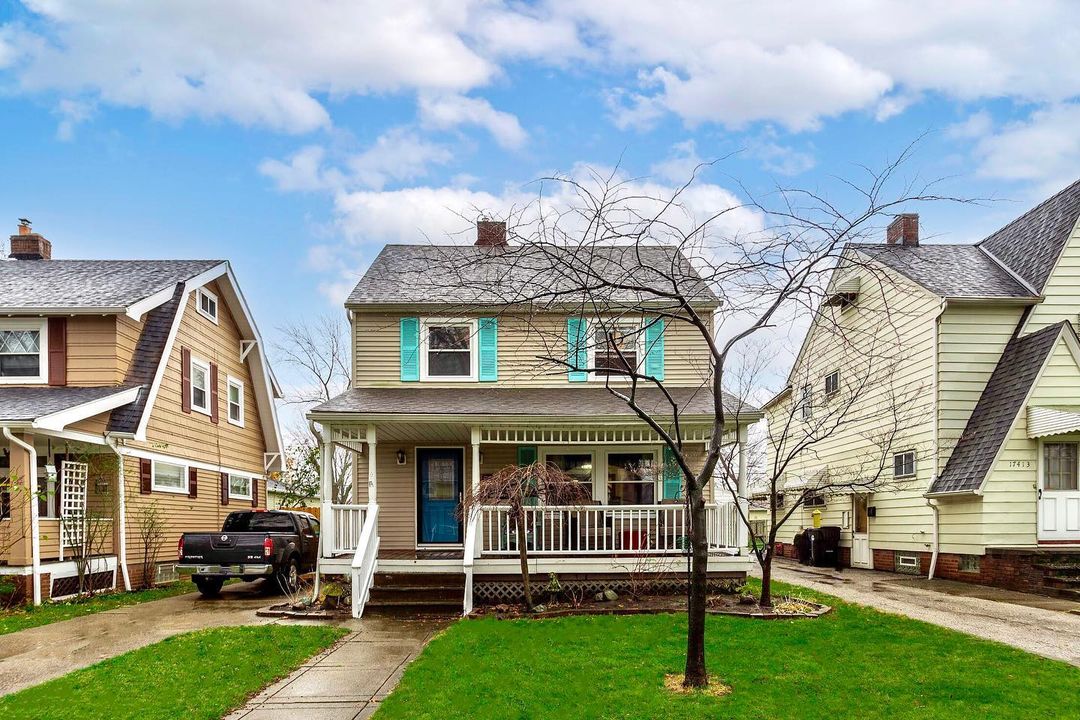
(635, 522)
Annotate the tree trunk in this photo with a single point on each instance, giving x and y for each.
(766, 578)
(523, 557)
(696, 675)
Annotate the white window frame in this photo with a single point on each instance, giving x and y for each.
(184, 471)
(230, 383)
(474, 350)
(203, 365)
(657, 463)
(545, 450)
(914, 464)
(200, 293)
(235, 496)
(806, 403)
(591, 326)
(42, 326)
(830, 393)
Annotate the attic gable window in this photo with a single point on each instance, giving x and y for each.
(23, 350)
(200, 386)
(448, 350)
(207, 304)
(832, 383)
(844, 294)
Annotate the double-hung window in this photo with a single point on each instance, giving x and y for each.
(239, 487)
(169, 477)
(904, 464)
(832, 383)
(200, 386)
(207, 304)
(449, 350)
(616, 348)
(236, 401)
(23, 351)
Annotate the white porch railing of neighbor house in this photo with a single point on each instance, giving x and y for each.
(365, 561)
(347, 523)
(606, 530)
(469, 557)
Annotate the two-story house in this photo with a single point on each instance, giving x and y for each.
(124, 385)
(450, 385)
(984, 488)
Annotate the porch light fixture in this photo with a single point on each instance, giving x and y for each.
(400, 457)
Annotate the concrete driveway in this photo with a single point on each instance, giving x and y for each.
(30, 657)
(1041, 625)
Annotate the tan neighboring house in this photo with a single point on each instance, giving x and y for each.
(985, 487)
(124, 385)
(447, 390)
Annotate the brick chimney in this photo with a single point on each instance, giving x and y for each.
(491, 233)
(903, 230)
(29, 245)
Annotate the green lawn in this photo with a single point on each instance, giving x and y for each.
(205, 674)
(29, 616)
(853, 663)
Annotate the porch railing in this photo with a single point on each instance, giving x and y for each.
(348, 521)
(605, 530)
(365, 561)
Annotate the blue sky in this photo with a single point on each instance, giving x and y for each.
(296, 138)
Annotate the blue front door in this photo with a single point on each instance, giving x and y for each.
(439, 478)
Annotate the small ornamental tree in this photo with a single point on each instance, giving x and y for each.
(516, 487)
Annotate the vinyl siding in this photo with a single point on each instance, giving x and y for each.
(886, 345)
(92, 351)
(1062, 289)
(521, 345)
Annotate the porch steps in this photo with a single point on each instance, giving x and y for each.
(418, 593)
(1061, 575)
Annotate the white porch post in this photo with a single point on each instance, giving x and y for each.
(326, 472)
(371, 474)
(742, 536)
(475, 474)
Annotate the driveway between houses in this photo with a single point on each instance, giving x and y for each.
(33, 656)
(350, 680)
(1037, 624)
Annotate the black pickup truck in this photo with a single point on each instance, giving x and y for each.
(274, 544)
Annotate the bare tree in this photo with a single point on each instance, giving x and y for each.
(607, 255)
(300, 481)
(515, 488)
(150, 528)
(318, 351)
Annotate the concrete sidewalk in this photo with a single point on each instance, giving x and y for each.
(1041, 625)
(351, 679)
(33, 656)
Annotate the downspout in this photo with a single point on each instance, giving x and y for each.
(121, 511)
(934, 538)
(35, 540)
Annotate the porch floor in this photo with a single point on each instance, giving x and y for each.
(421, 554)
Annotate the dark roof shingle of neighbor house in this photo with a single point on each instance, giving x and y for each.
(471, 274)
(90, 283)
(993, 416)
(555, 402)
(24, 404)
(953, 271)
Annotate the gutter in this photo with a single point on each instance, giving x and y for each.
(35, 539)
(935, 539)
(121, 511)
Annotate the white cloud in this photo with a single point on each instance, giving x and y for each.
(779, 158)
(449, 111)
(976, 125)
(302, 172)
(72, 114)
(1044, 149)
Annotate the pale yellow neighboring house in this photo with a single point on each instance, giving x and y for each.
(983, 342)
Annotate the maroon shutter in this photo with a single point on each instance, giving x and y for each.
(254, 492)
(213, 393)
(185, 379)
(144, 476)
(57, 351)
(192, 483)
(224, 488)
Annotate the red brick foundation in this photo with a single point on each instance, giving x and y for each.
(24, 589)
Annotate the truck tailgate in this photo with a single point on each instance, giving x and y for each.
(224, 548)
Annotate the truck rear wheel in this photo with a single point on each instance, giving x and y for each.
(288, 578)
(209, 587)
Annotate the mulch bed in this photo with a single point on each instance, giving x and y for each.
(784, 608)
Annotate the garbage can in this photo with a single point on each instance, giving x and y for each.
(802, 546)
(824, 546)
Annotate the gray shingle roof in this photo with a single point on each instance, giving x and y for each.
(470, 274)
(144, 363)
(90, 283)
(1031, 244)
(948, 270)
(24, 404)
(556, 402)
(993, 416)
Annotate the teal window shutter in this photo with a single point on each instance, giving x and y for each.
(576, 349)
(654, 348)
(672, 476)
(489, 349)
(410, 349)
(526, 455)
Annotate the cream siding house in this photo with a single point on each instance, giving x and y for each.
(124, 385)
(450, 384)
(989, 333)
